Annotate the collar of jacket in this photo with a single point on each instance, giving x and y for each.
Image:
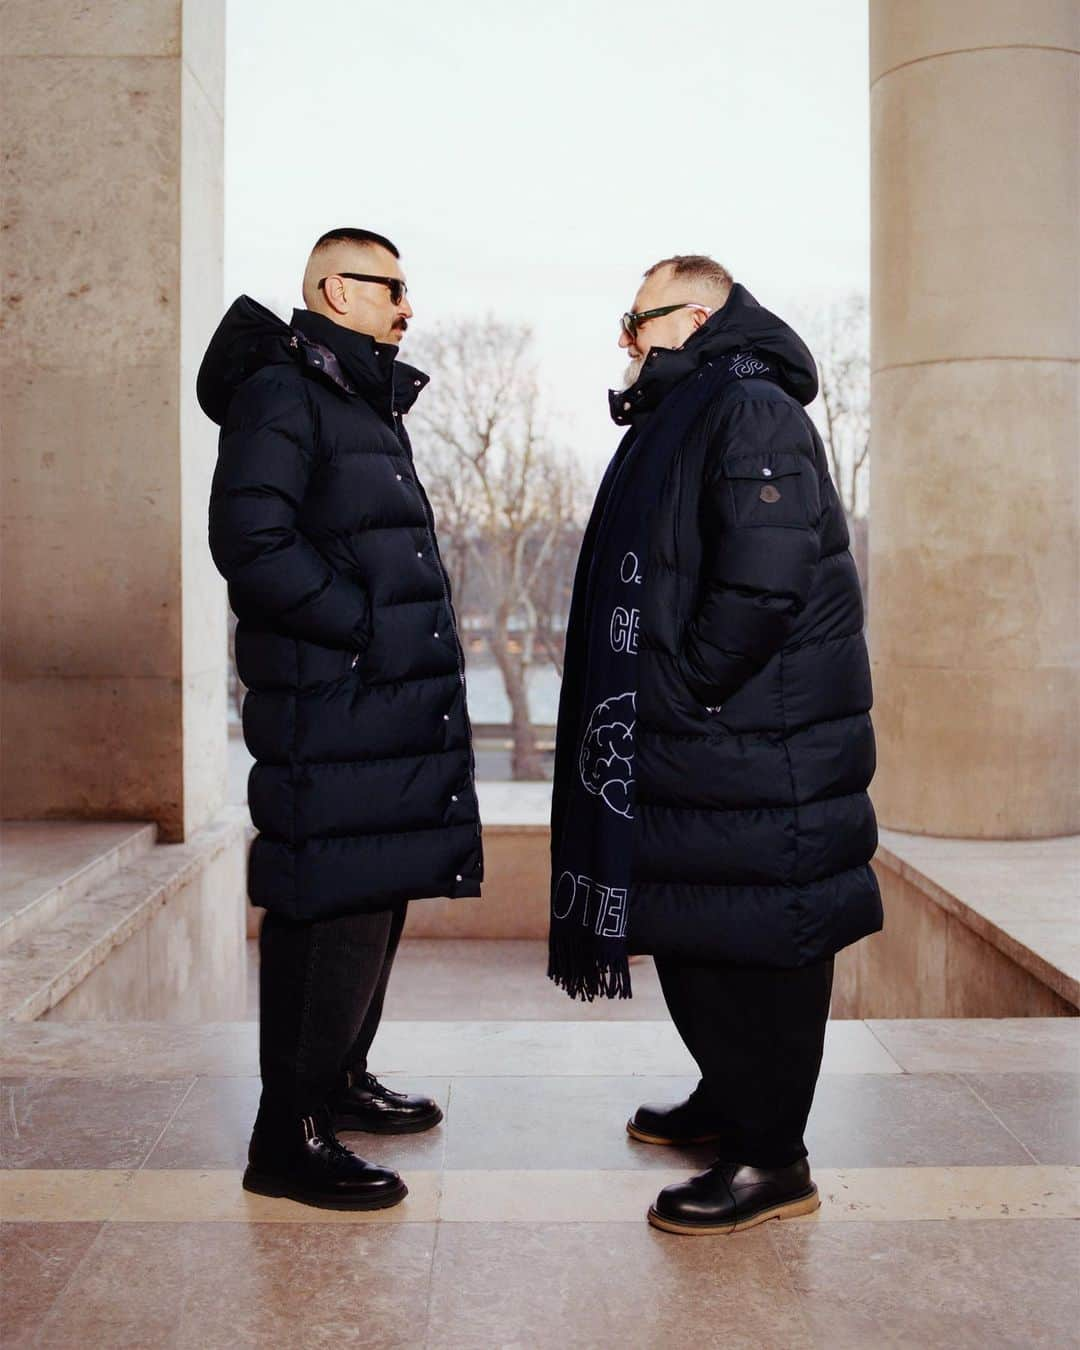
(355, 362)
(736, 326)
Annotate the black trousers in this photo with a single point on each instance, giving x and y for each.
(757, 1035)
(321, 992)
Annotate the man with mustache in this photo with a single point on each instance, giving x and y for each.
(363, 788)
(714, 743)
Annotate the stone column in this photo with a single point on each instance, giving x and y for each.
(975, 536)
(113, 616)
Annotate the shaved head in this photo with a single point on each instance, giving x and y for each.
(344, 255)
(362, 305)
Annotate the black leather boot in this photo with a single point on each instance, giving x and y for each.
(308, 1162)
(684, 1123)
(364, 1104)
(732, 1196)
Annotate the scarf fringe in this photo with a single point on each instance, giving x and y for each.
(583, 974)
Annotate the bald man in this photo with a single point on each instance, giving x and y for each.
(363, 788)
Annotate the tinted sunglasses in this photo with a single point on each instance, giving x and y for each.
(398, 289)
(631, 322)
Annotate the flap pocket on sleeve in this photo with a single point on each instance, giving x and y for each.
(767, 488)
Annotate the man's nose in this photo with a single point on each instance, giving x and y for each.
(624, 338)
(406, 309)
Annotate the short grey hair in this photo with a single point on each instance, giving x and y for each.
(699, 267)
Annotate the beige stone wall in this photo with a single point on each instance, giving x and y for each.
(975, 544)
(927, 962)
(113, 621)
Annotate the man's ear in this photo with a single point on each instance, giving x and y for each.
(334, 292)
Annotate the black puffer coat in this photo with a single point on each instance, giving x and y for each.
(363, 790)
(753, 831)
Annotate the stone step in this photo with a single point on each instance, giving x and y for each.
(48, 962)
(49, 865)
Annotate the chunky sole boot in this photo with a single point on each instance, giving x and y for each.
(728, 1197)
(788, 1209)
(367, 1105)
(304, 1160)
(265, 1183)
(366, 1124)
(644, 1137)
(685, 1122)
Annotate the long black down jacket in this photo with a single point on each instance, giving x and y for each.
(363, 788)
(753, 831)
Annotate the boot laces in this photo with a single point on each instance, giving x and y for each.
(320, 1132)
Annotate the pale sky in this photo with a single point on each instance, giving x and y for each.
(531, 162)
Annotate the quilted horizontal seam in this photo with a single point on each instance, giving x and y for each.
(751, 810)
(822, 641)
(341, 682)
(719, 737)
(758, 887)
(353, 763)
(356, 836)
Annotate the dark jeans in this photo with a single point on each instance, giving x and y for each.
(757, 1034)
(321, 992)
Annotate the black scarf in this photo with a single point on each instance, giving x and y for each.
(592, 847)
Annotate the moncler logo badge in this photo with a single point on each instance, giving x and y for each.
(769, 493)
(745, 363)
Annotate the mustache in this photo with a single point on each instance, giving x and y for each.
(400, 325)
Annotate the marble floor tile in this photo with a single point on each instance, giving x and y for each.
(485, 1049)
(1041, 1109)
(36, 1261)
(76, 1196)
(156, 1050)
(898, 1194)
(982, 1044)
(489, 1049)
(481, 1195)
(913, 1120)
(217, 1196)
(491, 980)
(213, 1126)
(935, 1193)
(428, 1048)
(210, 1286)
(581, 1286)
(527, 1123)
(851, 1047)
(857, 1120)
(920, 1285)
(553, 1196)
(88, 1123)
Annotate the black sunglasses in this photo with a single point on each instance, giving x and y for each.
(631, 322)
(398, 289)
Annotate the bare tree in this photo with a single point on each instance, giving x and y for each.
(504, 495)
(840, 338)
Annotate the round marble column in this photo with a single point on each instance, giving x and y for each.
(975, 535)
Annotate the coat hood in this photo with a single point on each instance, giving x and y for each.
(741, 325)
(250, 337)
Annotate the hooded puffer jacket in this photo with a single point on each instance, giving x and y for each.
(363, 787)
(753, 831)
